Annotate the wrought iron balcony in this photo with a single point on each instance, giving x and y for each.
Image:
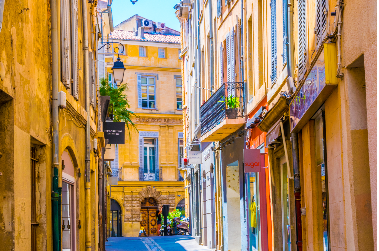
(223, 113)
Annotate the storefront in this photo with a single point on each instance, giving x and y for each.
(257, 190)
(307, 122)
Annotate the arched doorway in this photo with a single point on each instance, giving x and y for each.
(68, 213)
(149, 207)
(181, 206)
(116, 230)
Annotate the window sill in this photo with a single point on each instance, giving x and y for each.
(153, 109)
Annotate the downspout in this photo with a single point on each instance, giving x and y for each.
(55, 121)
(297, 188)
(288, 42)
(242, 61)
(199, 62)
(88, 135)
(211, 45)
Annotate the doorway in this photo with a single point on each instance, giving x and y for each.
(115, 219)
(284, 187)
(149, 208)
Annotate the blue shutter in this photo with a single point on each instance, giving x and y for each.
(232, 57)
(219, 8)
(141, 162)
(285, 42)
(226, 2)
(273, 42)
(156, 160)
(221, 65)
(139, 91)
(302, 38)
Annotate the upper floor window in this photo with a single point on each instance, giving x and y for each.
(179, 95)
(148, 92)
(142, 51)
(149, 161)
(161, 52)
(179, 52)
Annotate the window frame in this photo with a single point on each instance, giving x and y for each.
(147, 93)
(176, 94)
(145, 51)
(147, 163)
(160, 49)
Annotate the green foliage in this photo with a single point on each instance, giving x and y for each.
(118, 103)
(171, 216)
(231, 102)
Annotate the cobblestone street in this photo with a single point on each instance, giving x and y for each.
(177, 243)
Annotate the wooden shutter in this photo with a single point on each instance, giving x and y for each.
(139, 91)
(141, 158)
(321, 11)
(156, 160)
(65, 46)
(273, 42)
(302, 38)
(90, 58)
(232, 57)
(74, 45)
(221, 65)
(227, 46)
(285, 12)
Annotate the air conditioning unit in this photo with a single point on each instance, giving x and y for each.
(147, 23)
(161, 25)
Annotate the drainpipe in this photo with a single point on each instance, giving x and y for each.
(54, 66)
(295, 154)
(199, 63)
(88, 135)
(288, 42)
(211, 45)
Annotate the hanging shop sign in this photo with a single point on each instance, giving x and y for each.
(253, 160)
(195, 157)
(114, 132)
(316, 89)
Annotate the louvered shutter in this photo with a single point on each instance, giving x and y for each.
(156, 160)
(141, 159)
(226, 2)
(232, 57)
(66, 57)
(302, 38)
(219, 8)
(320, 21)
(94, 87)
(139, 91)
(221, 66)
(75, 61)
(90, 77)
(285, 31)
(273, 42)
(227, 46)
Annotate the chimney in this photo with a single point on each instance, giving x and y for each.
(141, 32)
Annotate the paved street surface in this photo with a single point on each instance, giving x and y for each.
(158, 243)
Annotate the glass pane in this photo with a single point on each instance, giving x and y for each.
(151, 104)
(152, 163)
(151, 81)
(179, 105)
(145, 164)
(144, 103)
(144, 81)
(151, 97)
(151, 89)
(144, 88)
(144, 95)
(178, 82)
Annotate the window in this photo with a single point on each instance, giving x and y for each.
(179, 52)
(110, 79)
(148, 92)
(273, 42)
(149, 153)
(180, 153)
(161, 53)
(142, 51)
(179, 99)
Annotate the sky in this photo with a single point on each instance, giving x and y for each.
(156, 10)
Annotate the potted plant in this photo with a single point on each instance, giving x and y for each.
(232, 104)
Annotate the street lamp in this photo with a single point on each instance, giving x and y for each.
(118, 68)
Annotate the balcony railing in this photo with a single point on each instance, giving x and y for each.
(226, 103)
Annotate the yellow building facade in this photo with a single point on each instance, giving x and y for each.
(148, 161)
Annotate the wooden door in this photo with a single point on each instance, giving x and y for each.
(149, 221)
